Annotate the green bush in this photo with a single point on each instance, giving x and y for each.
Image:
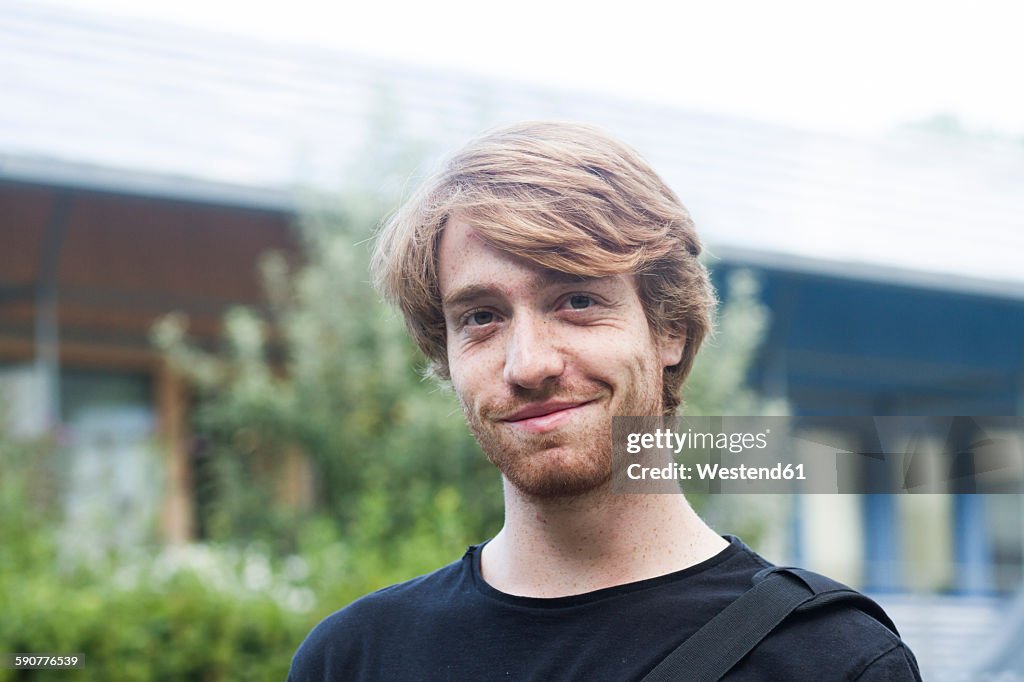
(214, 611)
(180, 630)
(328, 370)
(179, 614)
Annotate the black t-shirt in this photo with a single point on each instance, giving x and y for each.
(451, 625)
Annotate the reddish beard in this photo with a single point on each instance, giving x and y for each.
(568, 461)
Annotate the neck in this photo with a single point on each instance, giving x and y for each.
(559, 547)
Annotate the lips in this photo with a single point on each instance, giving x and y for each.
(544, 416)
(541, 409)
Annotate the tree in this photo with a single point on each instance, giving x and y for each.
(328, 369)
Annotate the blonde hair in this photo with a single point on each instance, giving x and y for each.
(567, 197)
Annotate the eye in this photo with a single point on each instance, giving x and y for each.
(479, 318)
(580, 301)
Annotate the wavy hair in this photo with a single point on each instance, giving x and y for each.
(567, 197)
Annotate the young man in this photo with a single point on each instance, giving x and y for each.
(552, 277)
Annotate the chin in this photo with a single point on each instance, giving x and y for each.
(555, 473)
(557, 487)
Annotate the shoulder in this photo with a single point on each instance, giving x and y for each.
(840, 629)
(839, 632)
(841, 637)
(339, 639)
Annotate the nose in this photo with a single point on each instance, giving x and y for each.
(531, 356)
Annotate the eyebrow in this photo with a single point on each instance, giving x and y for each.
(472, 292)
(467, 294)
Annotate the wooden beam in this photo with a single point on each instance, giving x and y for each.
(295, 486)
(177, 518)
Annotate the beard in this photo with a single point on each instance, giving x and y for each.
(571, 460)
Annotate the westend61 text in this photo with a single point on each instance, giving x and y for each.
(667, 439)
(716, 472)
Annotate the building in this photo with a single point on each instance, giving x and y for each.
(90, 259)
(143, 168)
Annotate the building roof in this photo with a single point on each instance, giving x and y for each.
(58, 173)
(159, 108)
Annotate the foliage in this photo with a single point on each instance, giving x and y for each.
(29, 509)
(718, 386)
(215, 611)
(718, 383)
(133, 618)
(177, 629)
(328, 370)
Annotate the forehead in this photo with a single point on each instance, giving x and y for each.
(464, 259)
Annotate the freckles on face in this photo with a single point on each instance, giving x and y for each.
(541, 361)
(508, 320)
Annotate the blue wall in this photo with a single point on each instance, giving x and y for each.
(847, 347)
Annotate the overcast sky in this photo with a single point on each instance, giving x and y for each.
(852, 67)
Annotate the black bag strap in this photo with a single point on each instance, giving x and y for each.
(828, 591)
(708, 654)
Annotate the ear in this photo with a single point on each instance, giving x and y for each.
(671, 346)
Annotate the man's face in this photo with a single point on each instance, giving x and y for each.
(541, 361)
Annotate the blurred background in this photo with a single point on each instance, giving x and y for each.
(212, 435)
